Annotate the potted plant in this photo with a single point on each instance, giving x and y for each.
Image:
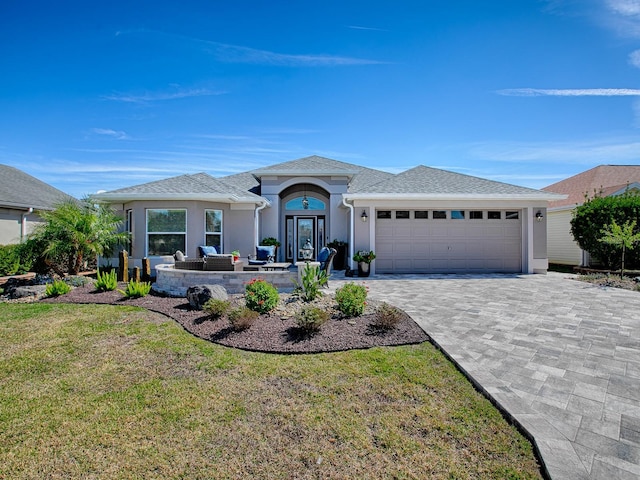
(364, 259)
(271, 241)
(340, 259)
(236, 255)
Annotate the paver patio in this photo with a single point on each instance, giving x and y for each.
(559, 356)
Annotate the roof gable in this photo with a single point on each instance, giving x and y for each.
(21, 190)
(182, 187)
(603, 180)
(428, 181)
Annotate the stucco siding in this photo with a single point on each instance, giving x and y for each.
(11, 225)
(562, 249)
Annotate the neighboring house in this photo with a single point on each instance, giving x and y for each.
(22, 197)
(603, 180)
(423, 220)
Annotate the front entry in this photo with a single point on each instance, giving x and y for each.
(301, 231)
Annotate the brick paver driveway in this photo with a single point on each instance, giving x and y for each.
(561, 357)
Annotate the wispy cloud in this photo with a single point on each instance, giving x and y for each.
(634, 58)
(570, 92)
(149, 97)
(117, 134)
(579, 153)
(236, 54)
(359, 27)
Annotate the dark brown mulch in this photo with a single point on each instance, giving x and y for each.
(273, 333)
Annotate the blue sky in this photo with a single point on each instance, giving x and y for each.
(98, 96)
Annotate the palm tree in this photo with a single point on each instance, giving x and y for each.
(77, 231)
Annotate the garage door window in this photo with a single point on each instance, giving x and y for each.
(492, 215)
(457, 214)
(402, 214)
(512, 215)
(440, 214)
(384, 214)
(421, 214)
(476, 215)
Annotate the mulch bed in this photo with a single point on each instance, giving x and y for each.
(275, 332)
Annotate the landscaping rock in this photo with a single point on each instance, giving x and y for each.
(28, 291)
(198, 295)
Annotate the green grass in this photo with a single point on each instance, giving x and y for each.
(118, 392)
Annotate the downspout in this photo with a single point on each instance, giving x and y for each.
(351, 232)
(23, 224)
(257, 223)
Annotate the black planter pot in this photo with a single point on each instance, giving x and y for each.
(340, 259)
(364, 269)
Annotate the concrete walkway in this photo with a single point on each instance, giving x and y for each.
(561, 357)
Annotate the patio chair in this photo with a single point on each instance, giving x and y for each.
(222, 263)
(264, 254)
(206, 250)
(189, 264)
(325, 257)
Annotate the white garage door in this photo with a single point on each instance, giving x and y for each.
(448, 241)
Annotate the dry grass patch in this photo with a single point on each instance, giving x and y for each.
(118, 392)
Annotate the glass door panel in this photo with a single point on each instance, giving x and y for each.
(306, 234)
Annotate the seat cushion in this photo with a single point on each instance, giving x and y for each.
(207, 250)
(323, 254)
(265, 252)
(257, 262)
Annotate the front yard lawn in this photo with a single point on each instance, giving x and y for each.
(90, 391)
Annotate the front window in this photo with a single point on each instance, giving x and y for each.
(213, 228)
(305, 203)
(166, 231)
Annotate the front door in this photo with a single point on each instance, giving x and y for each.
(303, 231)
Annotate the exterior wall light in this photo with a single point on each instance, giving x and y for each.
(305, 202)
(364, 216)
(539, 216)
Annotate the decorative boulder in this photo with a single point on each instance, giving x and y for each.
(198, 295)
(33, 292)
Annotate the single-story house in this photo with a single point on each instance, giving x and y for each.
(423, 220)
(22, 197)
(603, 180)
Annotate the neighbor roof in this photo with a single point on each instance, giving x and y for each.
(603, 180)
(426, 182)
(20, 190)
(199, 186)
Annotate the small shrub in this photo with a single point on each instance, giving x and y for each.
(387, 317)
(57, 288)
(216, 308)
(310, 319)
(312, 279)
(76, 280)
(136, 289)
(261, 296)
(242, 318)
(106, 281)
(351, 299)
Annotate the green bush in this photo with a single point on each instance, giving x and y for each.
(590, 218)
(14, 260)
(57, 288)
(310, 319)
(386, 317)
(351, 299)
(216, 308)
(76, 280)
(261, 296)
(242, 318)
(136, 289)
(312, 279)
(106, 281)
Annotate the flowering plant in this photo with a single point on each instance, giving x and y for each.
(364, 256)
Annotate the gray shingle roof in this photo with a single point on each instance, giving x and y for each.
(423, 180)
(182, 186)
(21, 190)
(313, 165)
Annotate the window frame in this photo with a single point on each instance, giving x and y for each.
(207, 233)
(148, 233)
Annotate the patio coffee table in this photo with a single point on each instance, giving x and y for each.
(276, 266)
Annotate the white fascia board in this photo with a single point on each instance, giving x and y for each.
(128, 197)
(547, 197)
(307, 173)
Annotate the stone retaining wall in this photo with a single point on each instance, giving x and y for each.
(175, 282)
